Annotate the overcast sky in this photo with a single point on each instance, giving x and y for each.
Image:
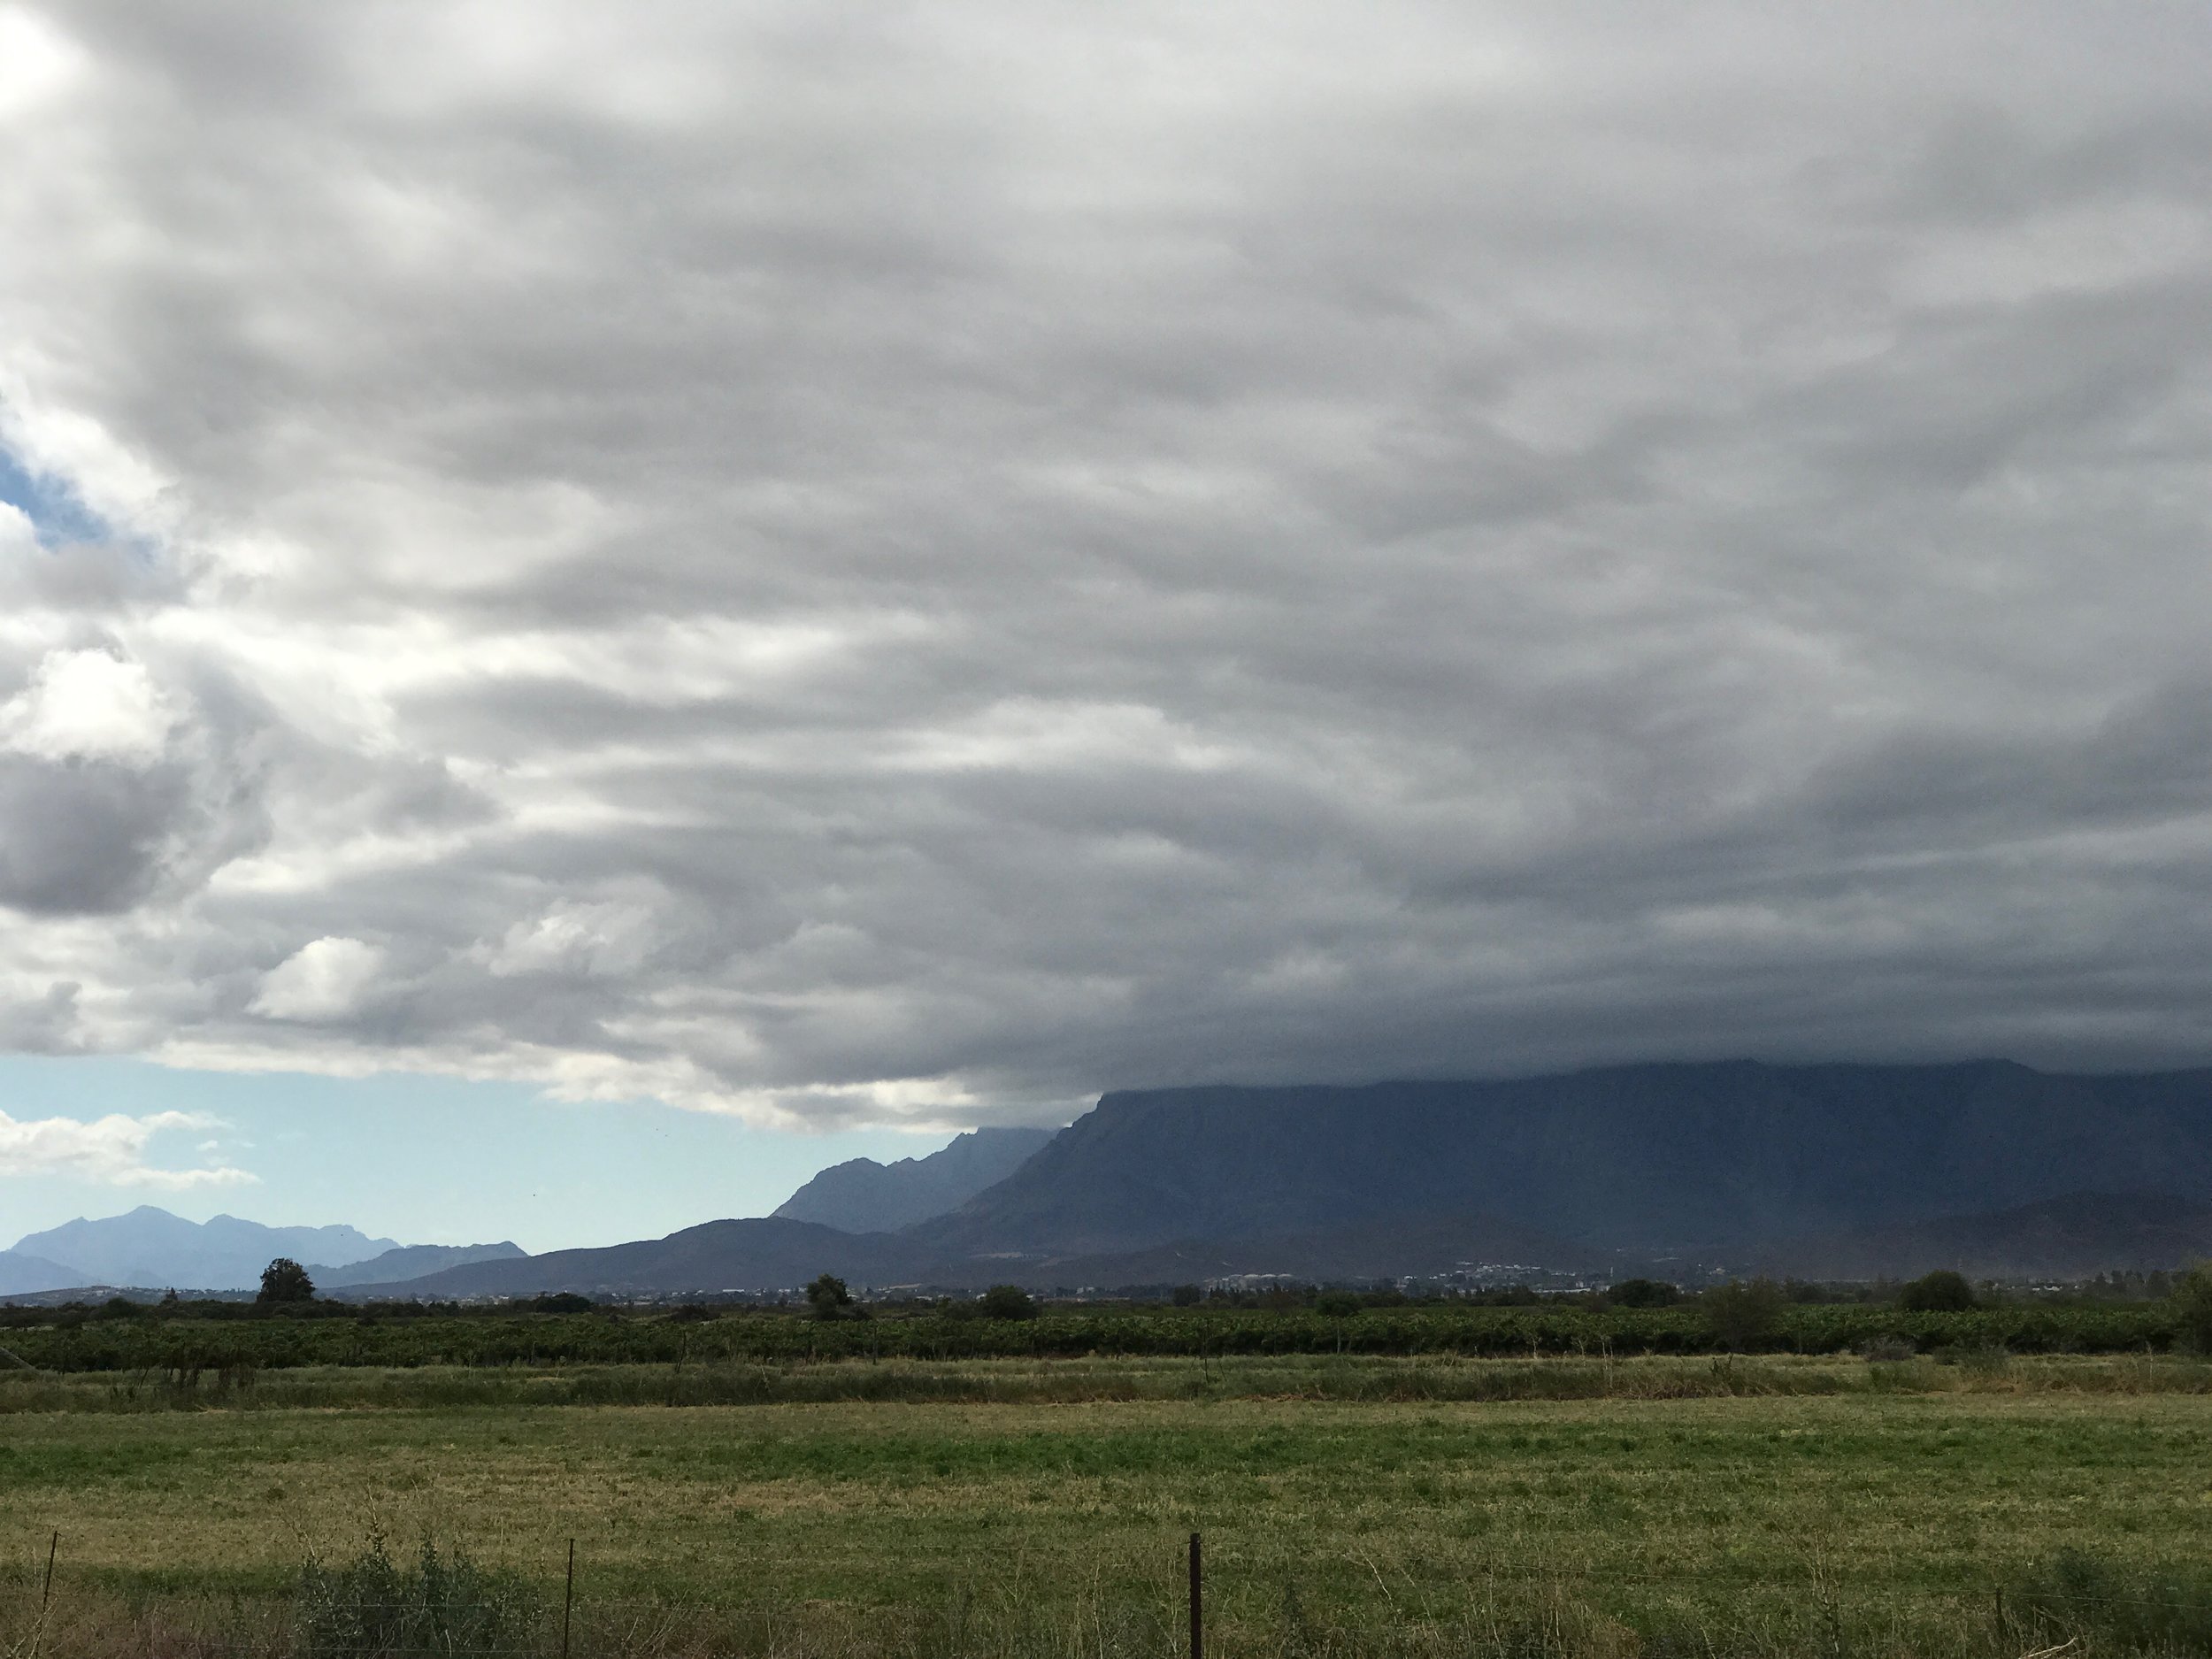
(861, 566)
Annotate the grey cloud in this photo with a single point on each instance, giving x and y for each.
(857, 559)
(77, 838)
(45, 1022)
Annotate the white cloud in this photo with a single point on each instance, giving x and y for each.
(37, 61)
(110, 1151)
(585, 939)
(322, 980)
(18, 536)
(88, 705)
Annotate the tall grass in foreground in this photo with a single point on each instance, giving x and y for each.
(440, 1603)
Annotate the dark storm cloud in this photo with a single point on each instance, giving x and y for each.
(878, 562)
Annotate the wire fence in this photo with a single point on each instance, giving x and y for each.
(375, 1608)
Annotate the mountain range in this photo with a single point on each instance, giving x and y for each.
(1829, 1172)
(1815, 1167)
(149, 1248)
(863, 1195)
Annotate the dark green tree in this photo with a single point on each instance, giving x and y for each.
(285, 1281)
(1189, 1295)
(2193, 1308)
(1643, 1292)
(555, 1301)
(1743, 1313)
(1940, 1291)
(1007, 1302)
(828, 1297)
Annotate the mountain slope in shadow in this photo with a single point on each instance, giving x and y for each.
(862, 1196)
(2075, 1236)
(1630, 1157)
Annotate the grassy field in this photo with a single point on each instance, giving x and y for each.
(1786, 1506)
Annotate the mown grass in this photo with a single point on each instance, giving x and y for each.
(1349, 1378)
(1793, 1507)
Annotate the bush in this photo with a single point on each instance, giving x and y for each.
(441, 1604)
(1940, 1291)
(2078, 1598)
(828, 1297)
(1007, 1302)
(2193, 1308)
(1743, 1312)
(1644, 1292)
(1187, 1295)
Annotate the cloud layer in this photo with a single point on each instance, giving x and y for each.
(110, 1151)
(862, 563)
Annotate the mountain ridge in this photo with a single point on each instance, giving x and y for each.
(150, 1249)
(759, 1253)
(1621, 1157)
(863, 1195)
(1695, 1162)
(1827, 1172)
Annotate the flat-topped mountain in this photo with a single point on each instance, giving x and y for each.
(1627, 1157)
(863, 1195)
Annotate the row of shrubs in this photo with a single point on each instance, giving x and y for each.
(1746, 1320)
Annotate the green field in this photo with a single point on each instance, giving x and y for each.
(1750, 1506)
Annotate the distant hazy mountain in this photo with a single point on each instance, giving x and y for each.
(22, 1275)
(777, 1253)
(411, 1261)
(866, 1196)
(1631, 1157)
(764, 1254)
(2074, 1237)
(152, 1248)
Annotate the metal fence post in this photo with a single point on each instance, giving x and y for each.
(1197, 1642)
(568, 1599)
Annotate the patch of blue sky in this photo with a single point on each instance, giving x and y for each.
(54, 510)
(426, 1160)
